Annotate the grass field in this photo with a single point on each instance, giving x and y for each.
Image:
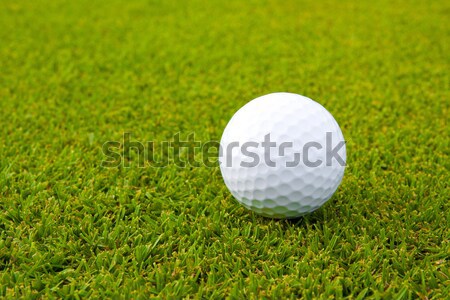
(75, 74)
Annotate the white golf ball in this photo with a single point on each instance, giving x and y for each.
(282, 155)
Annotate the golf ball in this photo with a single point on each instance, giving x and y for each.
(282, 155)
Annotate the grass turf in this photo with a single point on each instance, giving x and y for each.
(75, 74)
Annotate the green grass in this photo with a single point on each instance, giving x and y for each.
(75, 74)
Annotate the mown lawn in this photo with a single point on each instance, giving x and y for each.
(76, 74)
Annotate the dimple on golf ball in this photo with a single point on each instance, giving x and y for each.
(282, 155)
